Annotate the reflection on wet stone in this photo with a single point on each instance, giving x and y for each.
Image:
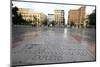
(49, 47)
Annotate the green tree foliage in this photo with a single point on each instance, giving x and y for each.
(14, 15)
(17, 18)
(35, 21)
(53, 23)
(72, 23)
(92, 18)
(45, 22)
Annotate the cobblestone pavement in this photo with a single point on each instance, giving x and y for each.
(51, 45)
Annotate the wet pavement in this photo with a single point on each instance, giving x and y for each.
(31, 45)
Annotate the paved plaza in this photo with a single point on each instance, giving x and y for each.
(31, 45)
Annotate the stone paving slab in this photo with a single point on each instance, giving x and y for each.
(51, 46)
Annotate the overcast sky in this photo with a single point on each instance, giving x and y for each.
(49, 8)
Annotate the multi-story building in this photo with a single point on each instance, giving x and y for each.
(40, 17)
(27, 14)
(51, 19)
(76, 17)
(37, 18)
(59, 17)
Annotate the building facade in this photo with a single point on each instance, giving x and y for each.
(40, 18)
(59, 17)
(27, 14)
(76, 17)
(37, 18)
(51, 19)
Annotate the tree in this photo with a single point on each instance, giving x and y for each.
(53, 23)
(14, 15)
(45, 22)
(35, 21)
(72, 23)
(92, 18)
(17, 18)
